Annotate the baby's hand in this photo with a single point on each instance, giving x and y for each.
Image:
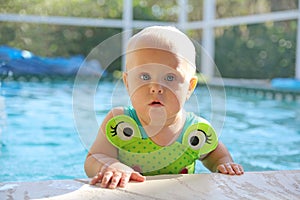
(115, 175)
(230, 168)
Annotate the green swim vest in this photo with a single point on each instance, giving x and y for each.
(142, 154)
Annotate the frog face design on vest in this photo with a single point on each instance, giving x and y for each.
(147, 157)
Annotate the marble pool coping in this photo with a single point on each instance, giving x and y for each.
(251, 185)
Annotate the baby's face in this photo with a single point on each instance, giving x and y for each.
(158, 82)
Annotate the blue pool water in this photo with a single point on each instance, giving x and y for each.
(40, 141)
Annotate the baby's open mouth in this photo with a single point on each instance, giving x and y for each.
(154, 103)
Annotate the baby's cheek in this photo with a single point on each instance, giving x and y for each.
(179, 95)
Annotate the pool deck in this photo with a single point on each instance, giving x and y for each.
(251, 185)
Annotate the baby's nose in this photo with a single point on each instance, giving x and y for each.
(156, 89)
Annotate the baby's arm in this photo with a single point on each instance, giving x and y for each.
(102, 164)
(220, 160)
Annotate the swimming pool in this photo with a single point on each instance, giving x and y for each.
(40, 141)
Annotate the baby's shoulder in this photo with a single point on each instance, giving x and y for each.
(115, 112)
(193, 118)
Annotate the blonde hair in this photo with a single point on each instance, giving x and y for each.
(166, 38)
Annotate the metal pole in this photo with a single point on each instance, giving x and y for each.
(182, 15)
(297, 64)
(208, 43)
(127, 27)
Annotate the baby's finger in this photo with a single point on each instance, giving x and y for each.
(115, 180)
(222, 169)
(238, 169)
(241, 169)
(96, 179)
(229, 169)
(106, 178)
(125, 179)
(135, 176)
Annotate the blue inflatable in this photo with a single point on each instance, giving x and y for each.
(286, 83)
(9, 53)
(20, 62)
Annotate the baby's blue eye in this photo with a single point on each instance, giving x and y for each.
(145, 77)
(170, 77)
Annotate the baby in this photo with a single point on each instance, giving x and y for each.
(156, 135)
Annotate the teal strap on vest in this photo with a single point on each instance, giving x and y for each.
(190, 119)
(151, 159)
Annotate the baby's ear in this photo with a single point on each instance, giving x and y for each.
(192, 86)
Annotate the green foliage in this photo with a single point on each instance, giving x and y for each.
(53, 40)
(233, 8)
(155, 10)
(260, 51)
(70, 8)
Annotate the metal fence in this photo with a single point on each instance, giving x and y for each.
(209, 22)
